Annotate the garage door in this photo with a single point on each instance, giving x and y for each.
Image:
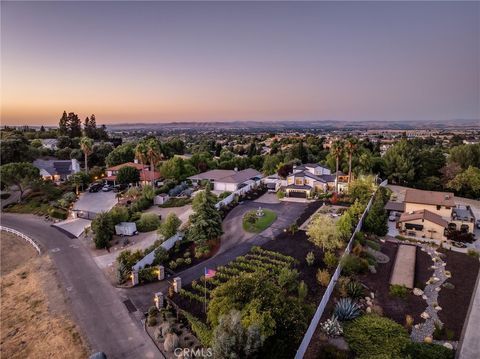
(297, 194)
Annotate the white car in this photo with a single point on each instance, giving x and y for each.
(107, 188)
(392, 218)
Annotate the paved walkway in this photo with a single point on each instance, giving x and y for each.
(470, 342)
(96, 305)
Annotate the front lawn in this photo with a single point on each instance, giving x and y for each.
(260, 223)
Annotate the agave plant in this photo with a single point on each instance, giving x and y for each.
(346, 309)
(354, 290)
(332, 327)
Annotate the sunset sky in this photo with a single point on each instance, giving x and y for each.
(161, 62)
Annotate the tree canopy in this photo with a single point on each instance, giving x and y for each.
(19, 174)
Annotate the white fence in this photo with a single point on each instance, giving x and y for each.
(167, 245)
(227, 200)
(27, 238)
(331, 286)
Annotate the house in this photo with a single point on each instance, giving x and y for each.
(227, 180)
(57, 170)
(146, 176)
(430, 214)
(50, 143)
(305, 180)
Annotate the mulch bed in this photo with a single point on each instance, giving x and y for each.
(297, 246)
(379, 283)
(190, 246)
(455, 302)
(311, 209)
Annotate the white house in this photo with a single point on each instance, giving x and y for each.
(57, 170)
(227, 180)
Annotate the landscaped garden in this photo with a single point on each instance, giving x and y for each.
(256, 221)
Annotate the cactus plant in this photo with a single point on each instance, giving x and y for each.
(346, 309)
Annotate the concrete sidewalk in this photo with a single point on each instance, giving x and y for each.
(470, 341)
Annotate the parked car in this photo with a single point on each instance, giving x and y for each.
(393, 216)
(478, 223)
(95, 187)
(107, 188)
(99, 355)
(459, 244)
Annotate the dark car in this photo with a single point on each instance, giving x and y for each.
(95, 187)
(99, 355)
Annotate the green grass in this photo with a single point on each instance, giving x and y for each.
(261, 223)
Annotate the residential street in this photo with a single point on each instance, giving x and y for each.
(96, 305)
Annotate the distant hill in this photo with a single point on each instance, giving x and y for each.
(319, 125)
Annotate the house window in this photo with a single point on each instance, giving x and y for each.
(438, 208)
(417, 227)
(298, 181)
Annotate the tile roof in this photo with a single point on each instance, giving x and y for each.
(228, 176)
(424, 215)
(430, 197)
(138, 166)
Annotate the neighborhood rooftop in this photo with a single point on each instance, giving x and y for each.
(228, 176)
(424, 215)
(430, 197)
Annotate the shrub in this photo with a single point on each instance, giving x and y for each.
(353, 265)
(172, 265)
(302, 290)
(188, 261)
(148, 222)
(441, 332)
(332, 327)
(147, 274)
(287, 278)
(346, 309)
(373, 245)
(399, 291)
(58, 213)
(372, 336)
(354, 289)
(152, 311)
(427, 351)
(119, 214)
(160, 256)
(170, 226)
(473, 253)
(330, 351)
(330, 259)
(360, 237)
(280, 194)
(310, 258)
(342, 284)
(323, 277)
(151, 321)
(69, 197)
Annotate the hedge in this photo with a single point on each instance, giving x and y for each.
(427, 351)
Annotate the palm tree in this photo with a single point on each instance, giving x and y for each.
(350, 147)
(154, 154)
(337, 149)
(86, 144)
(141, 153)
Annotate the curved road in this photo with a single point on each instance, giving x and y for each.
(96, 305)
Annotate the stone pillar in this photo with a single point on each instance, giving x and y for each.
(177, 284)
(134, 277)
(161, 272)
(158, 300)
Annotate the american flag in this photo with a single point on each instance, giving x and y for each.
(210, 273)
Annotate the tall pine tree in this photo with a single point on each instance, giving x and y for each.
(206, 222)
(63, 125)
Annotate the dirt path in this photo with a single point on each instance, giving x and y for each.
(35, 322)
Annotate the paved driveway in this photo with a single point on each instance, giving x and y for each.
(95, 201)
(96, 305)
(235, 242)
